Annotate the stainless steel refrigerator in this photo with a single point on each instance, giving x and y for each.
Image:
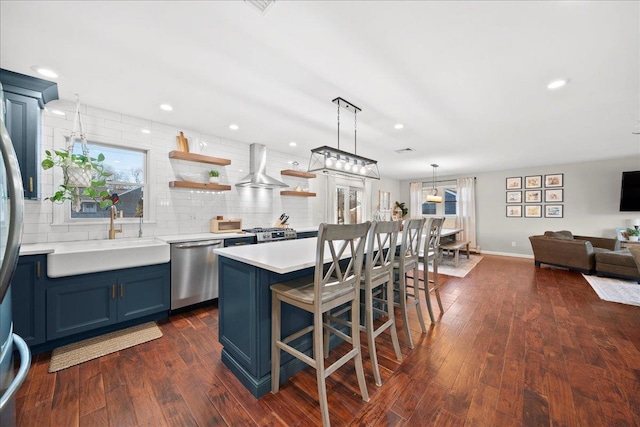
(11, 211)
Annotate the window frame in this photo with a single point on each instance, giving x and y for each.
(61, 214)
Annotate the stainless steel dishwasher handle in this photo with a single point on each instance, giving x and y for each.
(198, 244)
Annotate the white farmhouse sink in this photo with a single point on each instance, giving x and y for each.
(72, 258)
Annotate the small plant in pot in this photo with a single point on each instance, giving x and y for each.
(400, 211)
(632, 234)
(80, 172)
(213, 176)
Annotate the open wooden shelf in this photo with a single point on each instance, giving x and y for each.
(299, 174)
(199, 186)
(183, 155)
(297, 193)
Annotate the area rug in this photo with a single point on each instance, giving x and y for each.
(464, 265)
(615, 290)
(92, 348)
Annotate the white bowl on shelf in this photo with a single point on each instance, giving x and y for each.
(191, 177)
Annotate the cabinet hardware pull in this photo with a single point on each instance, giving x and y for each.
(37, 269)
(113, 291)
(121, 290)
(31, 184)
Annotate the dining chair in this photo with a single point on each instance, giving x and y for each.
(431, 254)
(329, 287)
(377, 285)
(407, 260)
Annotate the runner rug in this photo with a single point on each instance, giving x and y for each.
(92, 348)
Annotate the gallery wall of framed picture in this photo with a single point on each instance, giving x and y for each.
(535, 196)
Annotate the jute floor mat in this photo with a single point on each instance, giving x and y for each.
(92, 348)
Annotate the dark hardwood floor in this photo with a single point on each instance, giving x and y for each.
(517, 345)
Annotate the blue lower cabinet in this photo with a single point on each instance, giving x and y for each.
(81, 303)
(306, 234)
(28, 290)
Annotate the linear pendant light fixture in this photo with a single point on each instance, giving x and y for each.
(334, 161)
(433, 197)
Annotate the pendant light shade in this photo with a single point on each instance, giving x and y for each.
(334, 161)
(434, 197)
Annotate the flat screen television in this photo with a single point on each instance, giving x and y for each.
(630, 192)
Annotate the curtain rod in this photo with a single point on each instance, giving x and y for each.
(444, 180)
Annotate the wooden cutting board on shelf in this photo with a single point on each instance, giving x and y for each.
(183, 143)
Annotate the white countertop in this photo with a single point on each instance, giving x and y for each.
(280, 257)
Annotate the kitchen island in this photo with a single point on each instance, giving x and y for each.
(245, 274)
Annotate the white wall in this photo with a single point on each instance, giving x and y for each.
(178, 211)
(591, 204)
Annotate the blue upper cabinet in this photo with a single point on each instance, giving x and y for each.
(25, 97)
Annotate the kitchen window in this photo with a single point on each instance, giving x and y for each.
(126, 185)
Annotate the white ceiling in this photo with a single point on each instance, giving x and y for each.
(467, 79)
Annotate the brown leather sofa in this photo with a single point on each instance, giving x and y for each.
(563, 249)
(618, 264)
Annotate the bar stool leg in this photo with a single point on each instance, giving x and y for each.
(371, 339)
(392, 319)
(355, 339)
(436, 286)
(416, 292)
(402, 288)
(318, 355)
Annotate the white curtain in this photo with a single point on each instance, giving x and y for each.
(467, 210)
(415, 200)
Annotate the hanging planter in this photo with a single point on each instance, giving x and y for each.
(83, 174)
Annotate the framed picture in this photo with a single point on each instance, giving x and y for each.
(514, 211)
(553, 211)
(621, 234)
(533, 196)
(514, 196)
(514, 183)
(554, 180)
(553, 196)
(533, 211)
(534, 181)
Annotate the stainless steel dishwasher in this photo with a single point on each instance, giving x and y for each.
(194, 272)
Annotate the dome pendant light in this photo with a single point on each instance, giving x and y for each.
(433, 197)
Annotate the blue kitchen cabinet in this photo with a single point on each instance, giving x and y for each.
(306, 234)
(25, 97)
(28, 289)
(239, 241)
(78, 304)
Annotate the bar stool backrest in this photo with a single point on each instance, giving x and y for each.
(336, 239)
(410, 247)
(378, 261)
(432, 241)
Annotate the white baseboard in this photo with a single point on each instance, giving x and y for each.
(508, 254)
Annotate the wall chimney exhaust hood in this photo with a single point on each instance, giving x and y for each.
(258, 177)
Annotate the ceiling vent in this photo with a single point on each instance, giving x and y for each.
(262, 6)
(405, 150)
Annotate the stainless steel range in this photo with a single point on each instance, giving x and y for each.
(264, 235)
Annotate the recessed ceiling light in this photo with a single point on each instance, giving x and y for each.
(398, 126)
(45, 72)
(234, 127)
(145, 131)
(166, 107)
(58, 112)
(292, 144)
(556, 84)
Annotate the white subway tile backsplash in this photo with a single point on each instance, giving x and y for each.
(177, 211)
